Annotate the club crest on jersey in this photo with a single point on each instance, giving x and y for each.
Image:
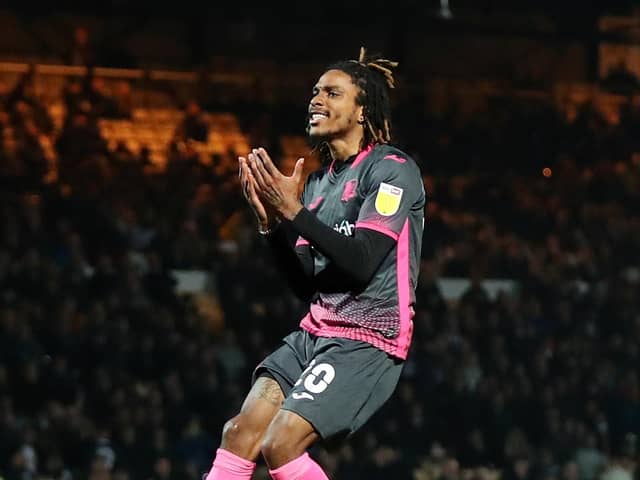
(349, 191)
(388, 199)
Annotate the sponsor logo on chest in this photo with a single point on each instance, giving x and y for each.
(345, 227)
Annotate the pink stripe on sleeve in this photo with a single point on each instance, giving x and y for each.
(404, 297)
(395, 158)
(378, 228)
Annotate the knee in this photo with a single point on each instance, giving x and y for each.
(279, 446)
(273, 448)
(231, 429)
(287, 437)
(240, 437)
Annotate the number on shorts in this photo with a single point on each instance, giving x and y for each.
(318, 378)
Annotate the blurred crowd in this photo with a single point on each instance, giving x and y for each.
(106, 373)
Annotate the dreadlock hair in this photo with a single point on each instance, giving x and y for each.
(374, 78)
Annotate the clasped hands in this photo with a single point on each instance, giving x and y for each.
(271, 195)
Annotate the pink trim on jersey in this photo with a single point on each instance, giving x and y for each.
(322, 322)
(404, 289)
(314, 323)
(378, 228)
(314, 204)
(361, 156)
(395, 158)
(301, 242)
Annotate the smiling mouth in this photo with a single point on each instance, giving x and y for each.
(316, 117)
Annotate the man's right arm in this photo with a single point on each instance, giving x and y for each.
(295, 262)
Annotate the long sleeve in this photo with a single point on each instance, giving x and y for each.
(358, 257)
(295, 264)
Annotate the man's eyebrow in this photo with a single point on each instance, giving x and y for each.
(327, 87)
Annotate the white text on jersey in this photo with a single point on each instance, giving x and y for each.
(345, 228)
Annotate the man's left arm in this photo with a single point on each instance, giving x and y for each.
(359, 256)
(390, 189)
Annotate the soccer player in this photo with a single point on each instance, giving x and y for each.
(350, 246)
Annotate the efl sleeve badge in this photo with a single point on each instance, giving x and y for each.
(388, 199)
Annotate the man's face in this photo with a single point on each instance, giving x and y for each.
(333, 111)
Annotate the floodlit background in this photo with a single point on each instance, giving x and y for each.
(136, 297)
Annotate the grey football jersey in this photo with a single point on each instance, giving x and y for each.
(381, 190)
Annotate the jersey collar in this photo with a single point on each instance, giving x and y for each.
(354, 160)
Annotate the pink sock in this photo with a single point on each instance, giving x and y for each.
(228, 466)
(302, 468)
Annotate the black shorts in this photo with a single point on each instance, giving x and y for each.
(336, 384)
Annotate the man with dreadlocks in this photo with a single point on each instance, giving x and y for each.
(351, 247)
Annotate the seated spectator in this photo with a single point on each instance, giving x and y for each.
(194, 125)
